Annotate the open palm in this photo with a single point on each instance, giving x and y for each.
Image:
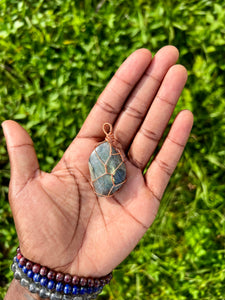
(60, 221)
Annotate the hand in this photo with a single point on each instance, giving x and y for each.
(60, 221)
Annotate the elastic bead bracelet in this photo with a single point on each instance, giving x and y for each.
(55, 285)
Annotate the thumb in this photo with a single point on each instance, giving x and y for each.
(22, 156)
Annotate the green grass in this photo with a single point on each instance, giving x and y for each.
(55, 59)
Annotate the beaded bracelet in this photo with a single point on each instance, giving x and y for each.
(55, 285)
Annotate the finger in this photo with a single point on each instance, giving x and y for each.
(142, 96)
(158, 117)
(162, 167)
(23, 159)
(112, 99)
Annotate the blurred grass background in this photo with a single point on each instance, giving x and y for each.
(55, 59)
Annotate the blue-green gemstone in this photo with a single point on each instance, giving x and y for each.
(107, 169)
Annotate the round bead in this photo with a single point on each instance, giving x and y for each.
(55, 296)
(44, 281)
(33, 288)
(36, 268)
(97, 283)
(23, 261)
(24, 282)
(90, 282)
(59, 277)
(17, 274)
(30, 273)
(90, 290)
(83, 281)
(75, 290)
(18, 250)
(24, 269)
(75, 280)
(19, 256)
(51, 275)
(43, 271)
(59, 287)
(67, 289)
(67, 278)
(44, 293)
(37, 277)
(83, 290)
(20, 266)
(29, 265)
(51, 284)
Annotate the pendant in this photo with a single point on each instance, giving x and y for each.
(106, 165)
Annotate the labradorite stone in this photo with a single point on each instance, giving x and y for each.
(107, 169)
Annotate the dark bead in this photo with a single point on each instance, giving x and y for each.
(75, 280)
(67, 278)
(59, 287)
(19, 256)
(51, 284)
(91, 282)
(67, 289)
(83, 290)
(51, 275)
(37, 277)
(29, 265)
(90, 290)
(44, 281)
(18, 250)
(23, 261)
(43, 271)
(83, 281)
(24, 269)
(102, 282)
(75, 290)
(97, 283)
(30, 273)
(59, 277)
(36, 268)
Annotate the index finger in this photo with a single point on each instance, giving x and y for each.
(112, 99)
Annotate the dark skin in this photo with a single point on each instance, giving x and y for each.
(60, 221)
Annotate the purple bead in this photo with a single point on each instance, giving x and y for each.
(67, 289)
(83, 281)
(44, 281)
(43, 271)
(91, 282)
(18, 250)
(51, 285)
(29, 265)
(30, 273)
(97, 282)
(67, 278)
(59, 287)
(36, 268)
(22, 261)
(75, 280)
(51, 275)
(59, 277)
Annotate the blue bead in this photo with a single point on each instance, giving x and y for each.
(30, 273)
(67, 289)
(37, 277)
(51, 284)
(44, 281)
(90, 290)
(83, 290)
(17, 259)
(75, 290)
(20, 266)
(59, 287)
(24, 269)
